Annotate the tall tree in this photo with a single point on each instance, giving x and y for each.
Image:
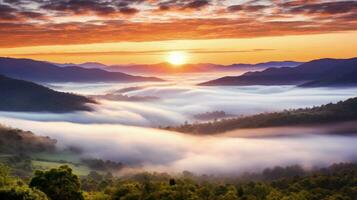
(58, 184)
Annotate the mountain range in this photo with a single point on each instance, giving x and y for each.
(20, 95)
(316, 73)
(186, 68)
(88, 65)
(39, 71)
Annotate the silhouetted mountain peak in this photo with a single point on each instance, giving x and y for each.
(20, 95)
(40, 71)
(324, 69)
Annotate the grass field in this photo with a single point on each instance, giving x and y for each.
(46, 161)
(57, 156)
(5, 156)
(80, 170)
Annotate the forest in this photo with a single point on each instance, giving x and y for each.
(336, 182)
(332, 112)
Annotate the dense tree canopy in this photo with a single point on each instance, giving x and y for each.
(14, 189)
(337, 182)
(21, 193)
(58, 184)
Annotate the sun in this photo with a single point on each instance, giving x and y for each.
(177, 58)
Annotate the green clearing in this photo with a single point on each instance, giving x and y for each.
(56, 157)
(78, 169)
(5, 156)
(46, 160)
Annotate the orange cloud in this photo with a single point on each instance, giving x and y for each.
(28, 34)
(138, 20)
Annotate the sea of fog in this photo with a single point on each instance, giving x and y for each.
(127, 131)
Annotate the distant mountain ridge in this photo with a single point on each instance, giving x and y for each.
(187, 68)
(19, 95)
(39, 71)
(88, 65)
(320, 72)
(270, 64)
(201, 67)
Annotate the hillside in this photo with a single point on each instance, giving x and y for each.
(19, 95)
(322, 69)
(335, 79)
(338, 112)
(16, 141)
(39, 71)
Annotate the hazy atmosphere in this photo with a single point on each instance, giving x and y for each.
(178, 100)
(126, 130)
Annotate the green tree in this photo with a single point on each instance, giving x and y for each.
(96, 196)
(274, 195)
(14, 189)
(58, 184)
(127, 191)
(302, 195)
(205, 192)
(230, 195)
(21, 193)
(4, 175)
(337, 197)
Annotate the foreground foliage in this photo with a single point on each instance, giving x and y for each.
(15, 189)
(337, 182)
(59, 184)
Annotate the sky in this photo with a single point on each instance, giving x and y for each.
(147, 31)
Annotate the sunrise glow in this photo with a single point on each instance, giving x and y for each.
(220, 32)
(178, 99)
(177, 58)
